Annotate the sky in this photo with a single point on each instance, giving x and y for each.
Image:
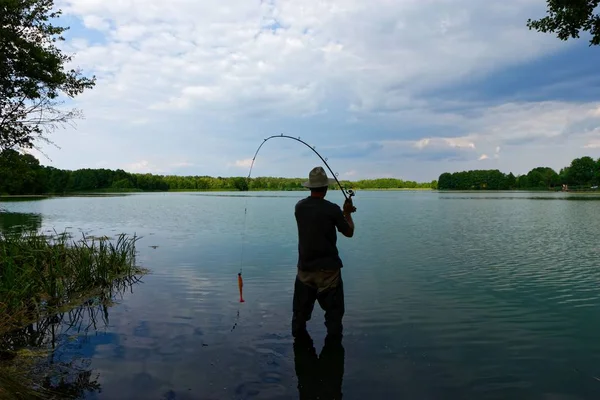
(388, 88)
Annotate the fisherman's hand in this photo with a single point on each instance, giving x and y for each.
(349, 207)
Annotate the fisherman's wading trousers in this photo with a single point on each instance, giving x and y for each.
(331, 301)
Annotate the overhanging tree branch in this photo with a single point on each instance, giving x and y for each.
(569, 18)
(33, 74)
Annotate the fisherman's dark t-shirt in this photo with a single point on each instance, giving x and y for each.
(317, 221)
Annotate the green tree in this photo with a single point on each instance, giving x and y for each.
(511, 181)
(564, 176)
(523, 182)
(568, 18)
(240, 184)
(582, 171)
(33, 73)
(19, 173)
(540, 177)
(445, 181)
(122, 184)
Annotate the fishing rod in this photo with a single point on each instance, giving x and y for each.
(346, 192)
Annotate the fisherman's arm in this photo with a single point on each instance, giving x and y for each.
(350, 231)
(347, 228)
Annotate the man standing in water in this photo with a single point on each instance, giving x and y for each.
(319, 265)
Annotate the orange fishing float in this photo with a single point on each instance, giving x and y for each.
(240, 285)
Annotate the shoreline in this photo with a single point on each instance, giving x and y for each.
(125, 193)
(117, 192)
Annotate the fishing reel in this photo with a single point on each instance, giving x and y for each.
(350, 193)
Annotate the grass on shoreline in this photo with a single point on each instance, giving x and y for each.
(39, 273)
(42, 275)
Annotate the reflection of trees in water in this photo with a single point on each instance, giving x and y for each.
(13, 222)
(65, 372)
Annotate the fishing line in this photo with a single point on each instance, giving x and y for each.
(348, 193)
(240, 281)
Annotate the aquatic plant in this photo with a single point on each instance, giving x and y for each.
(39, 273)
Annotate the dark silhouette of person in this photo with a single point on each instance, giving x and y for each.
(319, 265)
(319, 377)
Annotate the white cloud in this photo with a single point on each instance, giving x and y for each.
(140, 166)
(422, 143)
(497, 155)
(200, 52)
(594, 144)
(206, 81)
(463, 142)
(246, 163)
(94, 22)
(460, 142)
(524, 128)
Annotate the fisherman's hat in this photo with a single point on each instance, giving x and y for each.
(318, 178)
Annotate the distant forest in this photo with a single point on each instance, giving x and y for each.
(582, 174)
(22, 174)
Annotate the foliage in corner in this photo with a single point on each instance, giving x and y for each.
(33, 74)
(568, 18)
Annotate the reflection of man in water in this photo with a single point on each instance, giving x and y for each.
(319, 377)
(319, 265)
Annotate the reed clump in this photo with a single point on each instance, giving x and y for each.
(43, 275)
(40, 273)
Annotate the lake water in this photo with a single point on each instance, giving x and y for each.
(448, 296)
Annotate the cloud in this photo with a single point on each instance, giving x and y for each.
(246, 163)
(420, 144)
(96, 23)
(354, 150)
(157, 166)
(518, 127)
(182, 164)
(497, 155)
(458, 142)
(377, 87)
(140, 166)
(593, 144)
(205, 53)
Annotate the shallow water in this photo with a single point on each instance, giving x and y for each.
(448, 296)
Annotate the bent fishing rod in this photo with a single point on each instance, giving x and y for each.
(348, 193)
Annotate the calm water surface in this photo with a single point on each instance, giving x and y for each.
(448, 296)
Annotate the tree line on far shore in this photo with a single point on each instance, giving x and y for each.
(22, 174)
(582, 174)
